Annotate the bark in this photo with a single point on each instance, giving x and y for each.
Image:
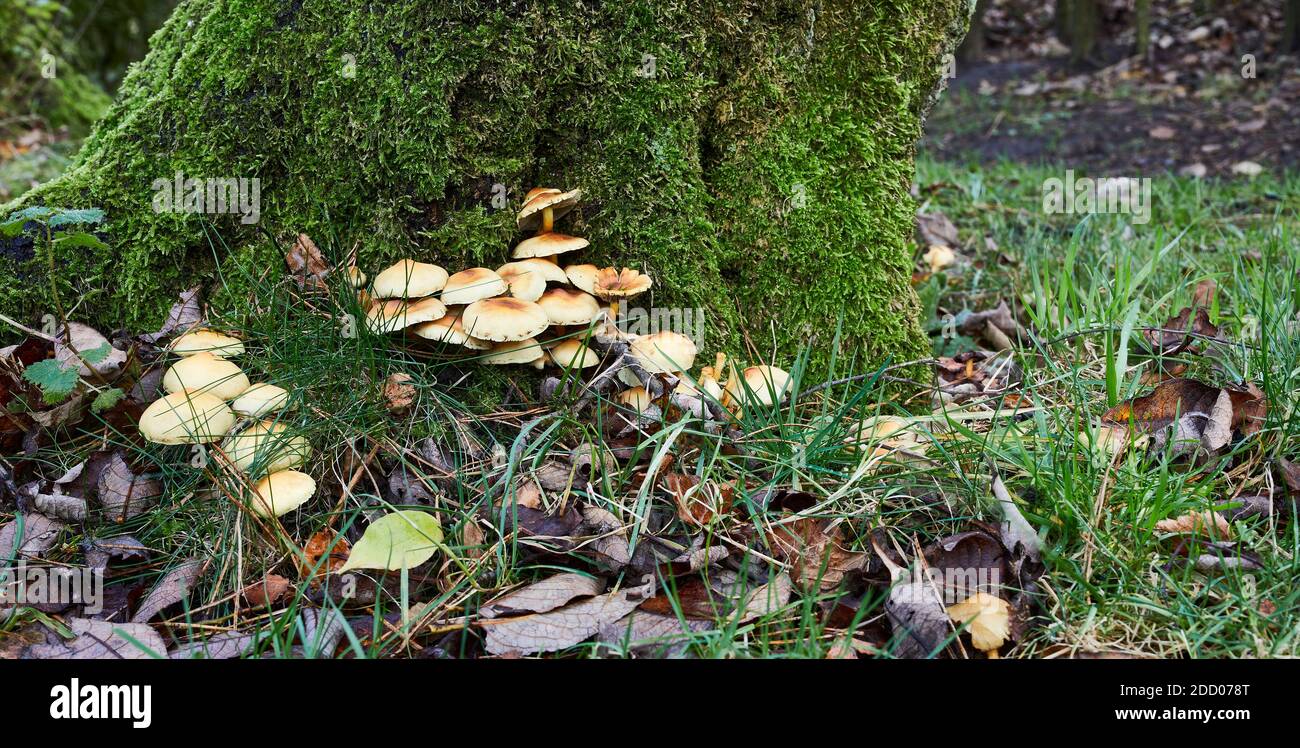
(754, 157)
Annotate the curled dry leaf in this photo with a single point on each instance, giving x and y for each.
(307, 265)
(1181, 332)
(610, 544)
(562, 627)
(915, 612)
(29, 534)
(184, 314)
(935, 228)
(811, 545)
(122, 493)
(1208, 523)
(174, 587)
(699, 503)
(1184, 413)
(548, 594)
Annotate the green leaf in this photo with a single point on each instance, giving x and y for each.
(81, 239)
(107, 399)
(96, 355)
(81, 216)
(34, 212)
(11, 229)
(401, 540)
(55, 381)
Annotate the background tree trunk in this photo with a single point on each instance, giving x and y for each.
(1078, 24)
(972, 48)
(1291, 27)
(754, 157)
(1142, 27)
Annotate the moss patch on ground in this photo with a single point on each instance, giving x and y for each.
(754, 158)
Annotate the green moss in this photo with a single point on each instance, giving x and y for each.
(692, 173)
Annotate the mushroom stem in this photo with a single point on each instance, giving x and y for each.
(548, 220)
(613, 311)
(992, 654)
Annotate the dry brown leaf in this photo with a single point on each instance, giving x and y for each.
(543, 596)
(174, 587)
(1208, 523)
(122, 493)
(266, 592)
(935, 228)
(645, 634)
(399, 393)
(1190, 414)
(306, 263)
(103, 640)
(1181, 332)
(562, 627)
(811, 545)
(699, 503)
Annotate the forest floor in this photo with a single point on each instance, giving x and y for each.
(1107, 441)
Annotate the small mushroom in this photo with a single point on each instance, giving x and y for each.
(504, 319)
(637, 398)
(546, 205)
(448, 329)
(469, 286)
(355, 277)
(525, 282)
(268, 446)
(583, 276)
(708, 382)
(260, 399)
(392, 315)
(204, 372)
(988, 620)
(573, 354)
(186, 418)
(664, 352)
(515, 352)
(547, 246)
(567, 306)
(549, 271)
(614, 285)
(281, 492)
(409, 279)
(208, 341)
(758, 385)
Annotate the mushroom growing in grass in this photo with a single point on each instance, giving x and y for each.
(504, 319)
(448, 329)
(664, 352)
(281, 492)
(546, 205)
(260, 399)
(469, 286)
(204, 372)
(758, 385)
(208, 341)
(708, 383)
(526, 351)
(637, 398)
(988, 621)
(267, 445)
(186, 418)
(547, 246)
(355, 277)
(615, 285)
(573, 354)
(409, 279)
(567, 306)
(391, 315)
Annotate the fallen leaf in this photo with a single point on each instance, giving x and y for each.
(174, 587)
(122, 493)
(267, 591)
(1181, 332)
(83, 347)
(1208, 523)
(810, 544)
(651, 635)
(1162, 132)
(399, 393)
(225, 646)
(400, 540)
(548, 594)
(306, 263)
(184, 314)
(28, 534)
(99, 551)
(102, 640)
(562, 627)
(1190, 415)
(935, 228)
(698, 503)
(315, 564)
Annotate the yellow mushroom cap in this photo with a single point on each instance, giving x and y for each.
(267, 445)
(260, 399)
(448, 329)
(989, 619)
(763, 385)
(515, 352)
(549, 271)
(204, 372)
(573, 354)
(392, 315)
(637, 398)
(504, 319)
(536, 191)
(567, 306)
(281, 492)
(583, 276)
(620, 284)
(468, 286)
(548, 245)
(664, 352)
(356, 278)
(409, 279)
(186, 418)
(210, 341)
(707, 384)
(525, 283)
(560, 203)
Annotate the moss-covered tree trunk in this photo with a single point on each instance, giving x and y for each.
(755, 157)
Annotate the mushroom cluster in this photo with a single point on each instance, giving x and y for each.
(209, 398)
(531, 311)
